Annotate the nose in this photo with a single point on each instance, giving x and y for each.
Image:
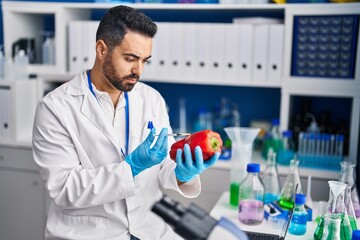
(138, 68)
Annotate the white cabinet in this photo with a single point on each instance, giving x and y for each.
(22, 198)
(17, 110)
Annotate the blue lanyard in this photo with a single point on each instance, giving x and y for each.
(127, 118)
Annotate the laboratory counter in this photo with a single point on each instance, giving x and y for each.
(222, 208)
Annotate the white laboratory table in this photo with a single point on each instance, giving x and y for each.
(223, 209)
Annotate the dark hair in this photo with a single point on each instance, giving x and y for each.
(118, 20)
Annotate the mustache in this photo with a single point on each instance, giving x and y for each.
(133, 75)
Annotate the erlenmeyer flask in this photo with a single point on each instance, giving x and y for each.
(241, 152)
(288, 189)
(349, 208)
(348, 176)
(336, 208)
(332, 227)
(270, 178)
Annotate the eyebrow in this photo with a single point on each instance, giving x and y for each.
(135, 56)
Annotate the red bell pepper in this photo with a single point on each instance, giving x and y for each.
(208, 140)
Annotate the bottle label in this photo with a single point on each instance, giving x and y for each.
(299, 218)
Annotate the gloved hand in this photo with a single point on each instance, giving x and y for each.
(188, 169)
(144, 157)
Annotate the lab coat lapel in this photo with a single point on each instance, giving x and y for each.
(91, 109)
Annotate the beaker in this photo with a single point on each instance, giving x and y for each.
(242, 139)
(332, 227)
(336, 208)
(288, 189)
(347, 176)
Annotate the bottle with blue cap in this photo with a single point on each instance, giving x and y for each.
(299, 218)
(356, 235)
(251, 197)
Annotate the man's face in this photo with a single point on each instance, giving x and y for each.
(123, 66)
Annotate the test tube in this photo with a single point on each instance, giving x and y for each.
(332, 144)
(323, 140)
(339, 145)
(327, 144)
(318, 144)
(301, 143)
(312, 143)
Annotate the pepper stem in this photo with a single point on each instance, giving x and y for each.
(214, 143)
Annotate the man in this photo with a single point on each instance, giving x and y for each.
(102, 167)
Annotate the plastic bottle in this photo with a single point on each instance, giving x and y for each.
(287, 150)
(200, 123)
(270, 178)
(272, 138)
(288, 189)
(48, 49)
(21, 63)
(251, 197)
(299, 218)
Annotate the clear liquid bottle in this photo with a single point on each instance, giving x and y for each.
(347, 176)
(270, 178)
(251, 197)
(288, 189)
(336, 208)
(272, 138)
(299, 218)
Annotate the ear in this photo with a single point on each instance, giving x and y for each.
(101, 49)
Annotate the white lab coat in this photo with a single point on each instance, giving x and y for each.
(94, 195)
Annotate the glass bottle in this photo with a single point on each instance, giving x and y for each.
(272, 138)
(336, 208)
(251, 197)
(288, 189)
(270, 178)
(349, 208)
(299, 217)
(347, 176)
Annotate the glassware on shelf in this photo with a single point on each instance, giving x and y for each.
(288, 189)
(270, 178)
(272, 138)
(337, 210)
(241, 152)
(348, 176)
(251, 197)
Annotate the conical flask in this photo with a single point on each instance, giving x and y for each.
(288, 189)
(241, 152)
(348, 176)
(350, 208)
(270, 178)
(336, 208)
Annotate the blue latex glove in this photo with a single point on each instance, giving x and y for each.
(188, 169)
(144, 157)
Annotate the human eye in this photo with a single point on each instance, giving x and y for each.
(130, 59)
